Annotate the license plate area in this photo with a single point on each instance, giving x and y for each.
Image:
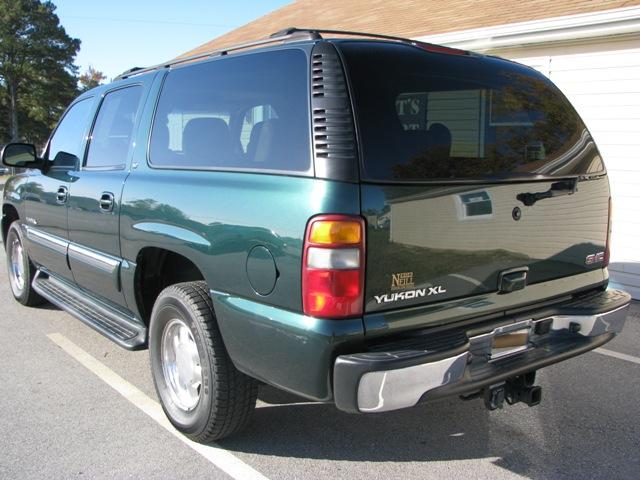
(509, 342)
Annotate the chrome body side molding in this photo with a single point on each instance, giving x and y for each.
(78, 257)
(99, 261)
(46, 240)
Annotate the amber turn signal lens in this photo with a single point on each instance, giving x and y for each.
(335, 232)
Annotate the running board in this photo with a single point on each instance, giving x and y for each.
(126, 331)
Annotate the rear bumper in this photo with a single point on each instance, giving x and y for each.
(460, 362)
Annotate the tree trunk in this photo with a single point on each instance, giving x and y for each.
(13, 111)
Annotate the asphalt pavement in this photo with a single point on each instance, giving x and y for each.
(74, 405)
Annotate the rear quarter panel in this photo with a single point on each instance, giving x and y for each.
(216, 218)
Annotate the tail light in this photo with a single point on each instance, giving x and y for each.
(607, 248)
(333, 267)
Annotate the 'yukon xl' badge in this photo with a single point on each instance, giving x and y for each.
(404, 280)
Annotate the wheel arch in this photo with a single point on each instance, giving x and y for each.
(157, 268)
(9, 215)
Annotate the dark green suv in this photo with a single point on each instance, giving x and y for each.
(363, 220)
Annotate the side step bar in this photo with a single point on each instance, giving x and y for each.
(126, 331)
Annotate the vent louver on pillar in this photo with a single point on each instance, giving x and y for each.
(334, 141)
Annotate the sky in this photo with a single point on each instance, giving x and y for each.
(121, 34)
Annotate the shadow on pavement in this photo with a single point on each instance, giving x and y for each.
(553, 440)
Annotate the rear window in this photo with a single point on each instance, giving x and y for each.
(245, 112)
(428, 116)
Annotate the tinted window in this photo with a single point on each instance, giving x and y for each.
(112, 132)
(66, 144)
(241, 112)
(425, 116)
(254, 116)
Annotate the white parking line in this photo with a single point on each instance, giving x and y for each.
(618, 355)
(221, 458)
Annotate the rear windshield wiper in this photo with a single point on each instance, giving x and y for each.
(565, 187)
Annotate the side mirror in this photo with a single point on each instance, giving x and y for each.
(20, 155)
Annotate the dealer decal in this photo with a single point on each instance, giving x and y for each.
(401, 281)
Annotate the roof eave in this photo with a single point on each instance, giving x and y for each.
(608, 23)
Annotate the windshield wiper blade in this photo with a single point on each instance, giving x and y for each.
(565, 187)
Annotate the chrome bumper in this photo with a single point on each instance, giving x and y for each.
(384, 381)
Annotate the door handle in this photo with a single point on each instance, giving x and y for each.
(106, 202)
(62, 194)
(568, 187)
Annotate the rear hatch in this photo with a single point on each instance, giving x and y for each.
(471, 167)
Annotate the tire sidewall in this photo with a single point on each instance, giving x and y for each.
(13, 235)
(168, 307)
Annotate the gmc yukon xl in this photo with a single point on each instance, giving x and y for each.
(365, 220)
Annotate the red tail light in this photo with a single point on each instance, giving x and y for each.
(333, 267)
(607, 248)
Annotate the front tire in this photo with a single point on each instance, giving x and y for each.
(202, 393)
(21, 270)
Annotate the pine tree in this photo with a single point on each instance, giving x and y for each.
(37, 73)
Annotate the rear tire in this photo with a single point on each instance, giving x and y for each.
(21, 270)
(202, 393)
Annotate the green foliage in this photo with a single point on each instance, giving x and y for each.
(37, 73)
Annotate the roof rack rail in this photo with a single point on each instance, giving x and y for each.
(129, 72)
(285, 35)
(432, 47)
(320, 31)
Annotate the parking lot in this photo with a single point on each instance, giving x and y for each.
(74, 405)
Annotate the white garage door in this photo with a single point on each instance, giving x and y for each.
(603, 83)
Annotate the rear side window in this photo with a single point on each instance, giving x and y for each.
(113, 129)
(65, 147)
(429, 116)
(245, 112)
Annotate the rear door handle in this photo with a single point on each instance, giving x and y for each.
(567, 187)
(62, 194)
(106, 202)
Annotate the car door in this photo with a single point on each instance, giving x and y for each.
(47, 197)
(95, 192)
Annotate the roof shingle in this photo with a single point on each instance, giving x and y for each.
(408, 18)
